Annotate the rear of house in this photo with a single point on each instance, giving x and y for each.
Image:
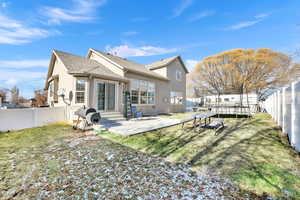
(101, 79)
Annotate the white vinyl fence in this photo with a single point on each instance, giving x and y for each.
(284, 107)
(16, 119)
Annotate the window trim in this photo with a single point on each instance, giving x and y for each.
(95, 91)
(178, 72)
(85, 91)
(55, 88)
(51, 89)
(139, 92)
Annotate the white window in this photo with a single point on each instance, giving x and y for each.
(80, 91)
(178, 75)
(135, 92)
(142, 92)
(176, 98)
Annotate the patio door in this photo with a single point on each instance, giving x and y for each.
(111, 96)
(106, 96)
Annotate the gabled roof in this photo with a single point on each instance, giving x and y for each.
(81, 66)
(164, 62)
(129, 65)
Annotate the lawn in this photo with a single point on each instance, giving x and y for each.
(56, 162)
(253, 153)
(21, 149)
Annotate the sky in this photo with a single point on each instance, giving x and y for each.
(140, 30)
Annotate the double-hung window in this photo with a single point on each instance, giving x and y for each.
(176, 97)
(80, 91)
(135, 99)
(151, 93)
(142, 92)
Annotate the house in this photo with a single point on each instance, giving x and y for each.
(6, 99)
(100, 79)
(232, 99)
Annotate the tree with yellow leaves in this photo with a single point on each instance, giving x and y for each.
(241, 71)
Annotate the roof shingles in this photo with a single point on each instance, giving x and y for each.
(130, 65)
(161, 63)
(165, 62)
(84, 66)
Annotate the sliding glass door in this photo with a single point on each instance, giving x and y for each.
(106, 96)
(101, 96)
(110, 97)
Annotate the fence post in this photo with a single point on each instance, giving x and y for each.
(280, 105)
(295, 138)
(274, 106)
(283, 110)
(34, 116)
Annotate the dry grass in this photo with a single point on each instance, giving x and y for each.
(251, 152)
(56, 162)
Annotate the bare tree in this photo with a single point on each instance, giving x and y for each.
(40, 97)
(14, 95)
(3, 93)
(22, 100)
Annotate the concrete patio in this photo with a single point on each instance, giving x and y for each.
(136, 126)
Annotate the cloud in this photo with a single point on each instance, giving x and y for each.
(19, 76)
(201, 15)
(126, 51)
(28, 75)
(245, 24)
(184, 4)
(11, 81)
(15, 32)
(27, 81)
(17, 64)
(190, 64)
(80, 11)
(262, 16)
(130, 33)
(3, 4)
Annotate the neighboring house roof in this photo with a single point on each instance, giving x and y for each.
(129, 65)
(81, 66)
(164, 62)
